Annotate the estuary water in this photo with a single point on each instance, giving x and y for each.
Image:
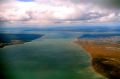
(53, 56)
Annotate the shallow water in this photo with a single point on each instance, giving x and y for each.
(53, 56)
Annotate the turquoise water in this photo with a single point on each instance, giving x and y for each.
(53, 56)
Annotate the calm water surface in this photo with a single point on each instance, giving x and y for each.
(53, 56)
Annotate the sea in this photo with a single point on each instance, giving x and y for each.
(52, 56)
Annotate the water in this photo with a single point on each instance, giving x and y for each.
(53, 56)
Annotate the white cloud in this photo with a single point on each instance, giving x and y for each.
(55, 12)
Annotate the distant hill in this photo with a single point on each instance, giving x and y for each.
(92, 36)
(65, 28)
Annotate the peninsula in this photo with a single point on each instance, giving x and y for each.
(12, 39)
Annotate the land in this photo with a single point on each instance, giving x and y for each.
(13, 39)
(104, 53)
(13, 42)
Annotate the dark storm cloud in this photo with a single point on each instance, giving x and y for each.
(106, 3)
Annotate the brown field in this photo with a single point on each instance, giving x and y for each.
(105, 56)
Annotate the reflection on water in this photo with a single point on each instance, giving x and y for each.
(53, 56)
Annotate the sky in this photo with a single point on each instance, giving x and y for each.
(59, 12)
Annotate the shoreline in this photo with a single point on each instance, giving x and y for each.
(105, 57)
(13, 39)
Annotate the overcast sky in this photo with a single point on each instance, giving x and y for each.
(55, 12)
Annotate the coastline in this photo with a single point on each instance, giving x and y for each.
(105, 57)
(13, 39)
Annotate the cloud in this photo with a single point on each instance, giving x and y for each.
(105, 3)
(6, 1)
(56, 12)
